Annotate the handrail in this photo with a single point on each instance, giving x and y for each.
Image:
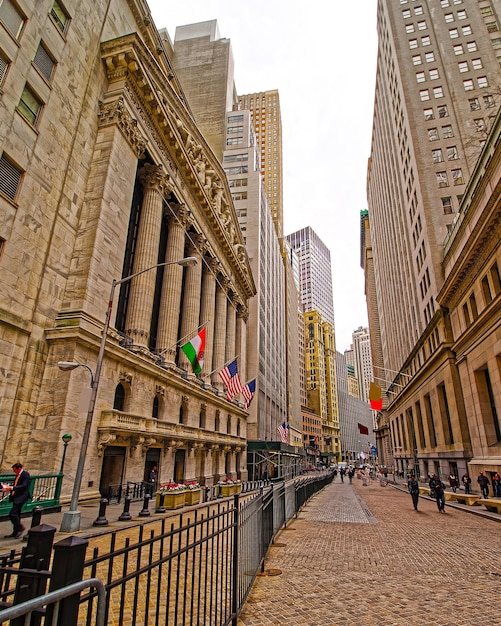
(26, 608)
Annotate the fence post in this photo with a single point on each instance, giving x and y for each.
(236, 538)
(35, 556)
(160, 508)
(144, 512)
(36, 519)
(67, 568)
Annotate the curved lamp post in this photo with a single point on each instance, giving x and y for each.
(71, 519)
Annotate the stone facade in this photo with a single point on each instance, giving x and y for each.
(113, 178)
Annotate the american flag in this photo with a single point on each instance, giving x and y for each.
(248, 392)
(231, 379)
(283, 429)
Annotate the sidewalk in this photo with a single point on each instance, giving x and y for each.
(361, 556)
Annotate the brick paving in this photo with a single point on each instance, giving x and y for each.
(361, 556)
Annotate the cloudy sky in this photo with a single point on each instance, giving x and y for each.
(323, 62)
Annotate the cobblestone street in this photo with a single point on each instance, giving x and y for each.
(361, 556)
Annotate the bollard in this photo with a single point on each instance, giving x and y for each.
(146, 502)
(36, 519)
(101, 520)
(125, 515)
(160, 508)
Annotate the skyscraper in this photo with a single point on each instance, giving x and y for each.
(363, 361)
(267, 119)
(315, 272)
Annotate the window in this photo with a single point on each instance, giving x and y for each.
(429, 57)
(482, 82)
(413, 43)
(235, 129)
(473, 306)
(449, 17)
(447, 205)
(235, 118)
(495, 279)
(4, 64)
(468, 84)
(496, 43)
(420, 77)
(119, 400)
(442, 179)
(10, 176)
(486, 290)
(471, 46)
(44, 62)
(425, 41)
(418, 10)
(60, 17)
(492, 26)
(434, 74)
(406, 14)
(489, 101)
(466, 30)
(457, 176)
(421, 25)
(11, 18)
(458, 49)
(480, 124)
(29, 106)
(443, 112)
(463, 66)
(438, 92)
(461, 15)
(234, 141)
(409, 28)
(433, 134)
(474, 104)
(466, 314)
(447, 131)
(453, 33)
(428, 114)
(444, 3)
(416, 59)
(436, 155)
(424, 95)
(452, 153)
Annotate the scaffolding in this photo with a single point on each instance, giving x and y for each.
(273, 459)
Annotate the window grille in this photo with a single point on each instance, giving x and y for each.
(10, 176)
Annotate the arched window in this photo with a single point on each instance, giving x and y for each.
(216, 422)
(119, 401)
(154, 409)
(228, 425)
(238, 428)
(181, 415)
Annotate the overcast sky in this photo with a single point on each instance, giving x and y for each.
(321, 56)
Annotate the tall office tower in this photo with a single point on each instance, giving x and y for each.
(436, 90)
(315, 272)
(265, 108)
(362, 361)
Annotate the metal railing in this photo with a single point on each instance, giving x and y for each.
(45, 491)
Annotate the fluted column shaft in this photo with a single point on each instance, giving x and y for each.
(172, 284)
(190, 312)
(241, 342)
(219, 332)
(231, 319)
(207, 310)
(142, 289)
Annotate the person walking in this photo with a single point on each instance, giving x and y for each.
(18, 494)
(466, 480)
(351, 473)
(496, 485)
(438, 488)
(453, 482)
(413, 488)
(342, 472)
(484, 483)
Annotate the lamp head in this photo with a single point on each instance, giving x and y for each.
(189, 260)
(66, 366)
(66, 438)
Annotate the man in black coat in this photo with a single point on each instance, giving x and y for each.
(18, 495)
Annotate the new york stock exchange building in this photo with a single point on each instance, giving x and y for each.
(108, 179)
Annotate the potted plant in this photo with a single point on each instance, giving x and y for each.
(173, 495)
(192, 493)
(228, 487)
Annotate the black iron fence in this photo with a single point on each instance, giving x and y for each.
(192, 568)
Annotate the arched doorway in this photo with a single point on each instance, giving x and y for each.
(179, 460)
(113, 468)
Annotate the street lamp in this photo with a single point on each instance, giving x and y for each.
(71, 519)
(66, 440)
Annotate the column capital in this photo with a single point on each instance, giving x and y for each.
(153, 178)
(178, 212)
(242, 312)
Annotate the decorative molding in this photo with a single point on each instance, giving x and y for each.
(116, 113)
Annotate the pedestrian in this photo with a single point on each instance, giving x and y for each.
(431, 478)
(496, 485)
(342, 472)
(413, 488)
(351, 473)
(484, 483)
(453, 482)
(334, 473)
(438, 488)
(19, 492)
(466, 480)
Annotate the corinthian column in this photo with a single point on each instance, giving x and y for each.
(170, 301)
(207, 309)
(190, 312)
(241, 341)
(219, 332)
(231, 319)
(142, 289)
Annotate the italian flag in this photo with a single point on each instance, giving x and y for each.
(195, 350)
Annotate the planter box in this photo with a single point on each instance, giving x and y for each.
(174, 500)
(229, 490)
(192, 496)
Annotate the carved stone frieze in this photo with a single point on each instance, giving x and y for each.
(116, 113)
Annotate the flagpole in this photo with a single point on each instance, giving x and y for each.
(392, 371)
(220, 367)
(388, 381)
(182, 339)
